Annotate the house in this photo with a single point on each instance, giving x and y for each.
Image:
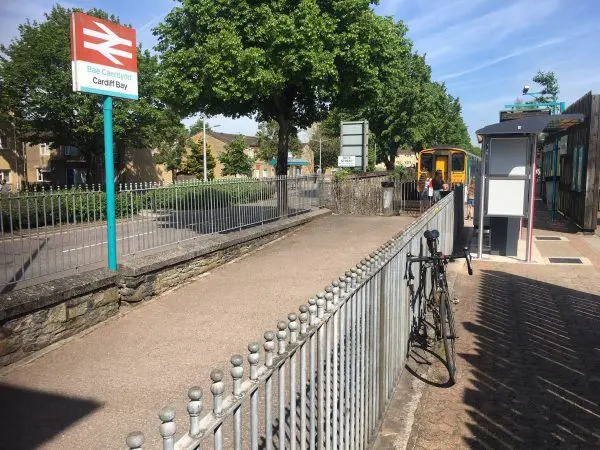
(404, 157)
(299, 165)
(11, 156)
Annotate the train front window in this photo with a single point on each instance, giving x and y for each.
(426, 162)
(458, 162)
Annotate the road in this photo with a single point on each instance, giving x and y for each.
(43, 253)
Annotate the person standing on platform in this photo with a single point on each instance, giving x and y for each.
(471, 199)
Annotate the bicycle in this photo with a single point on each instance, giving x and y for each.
(438, 299)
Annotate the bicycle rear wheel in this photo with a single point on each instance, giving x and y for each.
(448, 333)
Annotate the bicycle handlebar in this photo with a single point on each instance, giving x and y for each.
(428, 259)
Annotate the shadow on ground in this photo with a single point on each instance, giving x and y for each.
(29, 418)
(536, 367)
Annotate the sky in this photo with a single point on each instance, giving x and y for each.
(484, 50)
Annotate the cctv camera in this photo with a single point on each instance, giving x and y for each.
(525, 89)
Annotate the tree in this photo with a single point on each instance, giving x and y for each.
(171, 149)
(234, 160)
(194, 160)
(296, 59)
(328, 142)
(196, 127)
(549, 83)
(268, 133)
(35, 69)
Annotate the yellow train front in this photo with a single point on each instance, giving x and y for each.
(455, 163)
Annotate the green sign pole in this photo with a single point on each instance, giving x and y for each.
(109, 167)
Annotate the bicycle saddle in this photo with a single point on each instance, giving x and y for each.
(431, 235)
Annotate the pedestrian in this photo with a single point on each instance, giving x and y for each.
(437, 184)
(471, 199)
(430, 190)
(422, 188)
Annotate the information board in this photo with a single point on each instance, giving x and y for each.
(354, 141)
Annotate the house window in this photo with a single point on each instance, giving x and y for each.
(5, 175)
(44, 149)
(43, 175)
(265, 173)
(3, 141)
(69, 150)
(76, 176)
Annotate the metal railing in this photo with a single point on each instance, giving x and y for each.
(328, 373)
(364, 196)
(54, 230)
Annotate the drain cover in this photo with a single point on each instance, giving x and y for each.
(547, 238)
(565, 260)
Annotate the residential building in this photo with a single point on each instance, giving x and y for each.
(218, 141)
(140, 166)
(302, 164)
(11, 156)
(406, 158)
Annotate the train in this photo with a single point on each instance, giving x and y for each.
(456, 164)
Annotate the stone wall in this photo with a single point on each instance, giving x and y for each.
(36, 317)
(25, 334)
(135, 288)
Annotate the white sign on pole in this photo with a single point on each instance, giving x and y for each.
(354, 141)
(346, 161)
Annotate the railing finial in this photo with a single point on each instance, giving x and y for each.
(217, 388)
(320, 305)
(304, 316)
(312, 311)
(336, 291)
(269, 347)
(194, 408)
(135, 440)
(237, 372)
(293, 327)
(253, 359)
(281, 335)
(167, 427)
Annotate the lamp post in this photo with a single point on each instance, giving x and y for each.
(204, 170)
(321, 139)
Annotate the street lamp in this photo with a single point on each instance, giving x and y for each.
(204, 170)
(320, 153)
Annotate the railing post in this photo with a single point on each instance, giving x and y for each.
(217, 388)
(253, 359)
(281, 336)
(293, 327)
(167, 428)
(237, 372)
(194, 409)
(269, 347)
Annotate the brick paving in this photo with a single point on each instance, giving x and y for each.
(528, 358)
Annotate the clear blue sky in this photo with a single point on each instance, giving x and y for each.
(485, 50)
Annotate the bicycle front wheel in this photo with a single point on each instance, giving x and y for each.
(448, 333)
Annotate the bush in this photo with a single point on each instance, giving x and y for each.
(51, 208)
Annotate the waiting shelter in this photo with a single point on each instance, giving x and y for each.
(506, 188)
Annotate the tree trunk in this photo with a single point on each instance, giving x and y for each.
(282, 166)
(389, 162)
